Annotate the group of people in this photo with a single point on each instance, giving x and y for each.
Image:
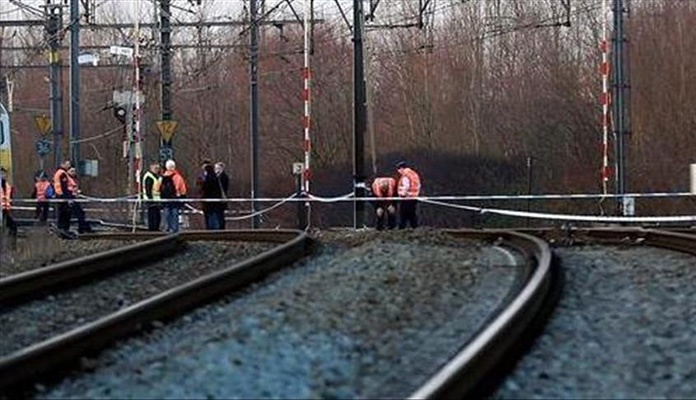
(406, 187)
(66, 188)
(166, 190)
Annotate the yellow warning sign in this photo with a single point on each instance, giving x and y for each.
(167, 129)
(43, 124)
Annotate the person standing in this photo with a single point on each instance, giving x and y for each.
(43, 191)
(151, 195)
(409, 187)
(209, 189)
(75, 207)
(224, 182)
(6, 203)
(385, 210)
(60, 185)
(173, 187)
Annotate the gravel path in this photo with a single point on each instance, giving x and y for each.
(371, 315)
(41, 319)
(624, 329)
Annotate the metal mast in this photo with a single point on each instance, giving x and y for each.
(75, 83)
(359, 116)
(166, 149)
(54, 24)
(254, 92)
(620, 106)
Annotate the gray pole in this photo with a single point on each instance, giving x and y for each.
(166, 148)
(53, 25)
(75, 82)
(359, 120)
(620, 98)
(254, 132)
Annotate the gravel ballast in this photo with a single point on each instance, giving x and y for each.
(624, 329)
(39, 320)
(373, 314)
(38, 248)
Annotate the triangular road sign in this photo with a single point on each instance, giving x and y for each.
(167, 129)
(43, 124)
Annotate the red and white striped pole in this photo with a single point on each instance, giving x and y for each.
(605, 69)
(307, 98)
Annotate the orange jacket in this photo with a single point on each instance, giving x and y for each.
(73, 185)
(40, 188)
(384, 187)
(409, 183)
(6, 197)
(179, 182)
(60, 181)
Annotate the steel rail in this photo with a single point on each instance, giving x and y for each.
(46, 358)
(41, 281)
(469, 372)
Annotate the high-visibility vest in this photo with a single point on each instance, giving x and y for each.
(409, 183)
(72, 185)
(6, 197)
(57, 178)
(383, 187)
(41, 188)
(156, 182)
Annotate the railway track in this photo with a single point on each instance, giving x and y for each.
(528, 250)
(33, 361)
(481, 360)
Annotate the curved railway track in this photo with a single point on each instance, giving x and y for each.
(476, 368)
(527, 294)
(625, 323)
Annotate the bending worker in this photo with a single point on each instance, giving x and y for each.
(385, 210)
(409, 188)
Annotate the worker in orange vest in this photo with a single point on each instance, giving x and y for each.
(61, 181)
(385, 210)
(43, 191)
(173, 188)
(6, 203)
(408, 188)
(75, 208)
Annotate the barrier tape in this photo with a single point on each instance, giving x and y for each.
(305, 197)
(433, 200)
(565, 217)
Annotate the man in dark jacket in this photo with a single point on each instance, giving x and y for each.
(224, 182)
(209, 190)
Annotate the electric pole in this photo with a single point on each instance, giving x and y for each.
(359, 117)
(166, 126)
(75, 84)
(620, 106)
(54, 26)
(254, 92)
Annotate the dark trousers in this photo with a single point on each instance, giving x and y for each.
(63, 216)
(388, 218)
(42, 211)
(9, 222)
(219, 215)
(407, 213)
(79, 213)
(154, 216)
